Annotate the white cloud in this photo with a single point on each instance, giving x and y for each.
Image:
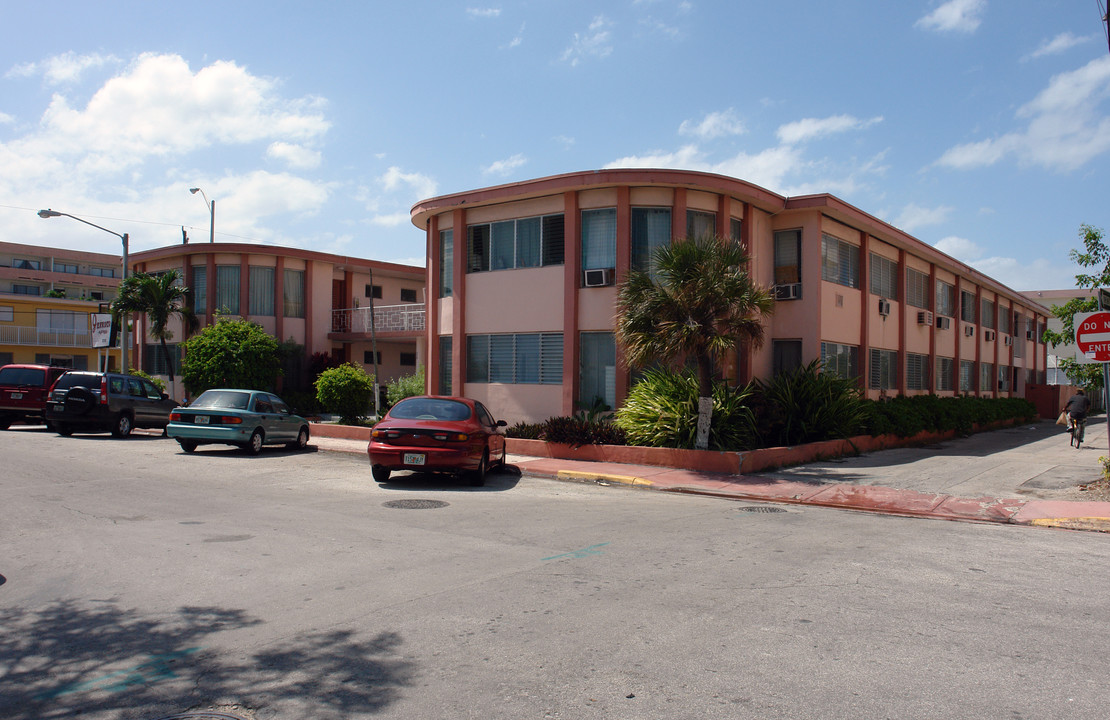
(1061, 43)
(914, 216)
(960, 248)
(812, 128)
(6, 119)
(421, 186)
(483, 12)
(962, 16)
(296, 156)
(1067, 127)
(505, 167)
(594, 43)
(62, 69)
(713, 125)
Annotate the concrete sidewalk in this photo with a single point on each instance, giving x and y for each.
(1028, 475)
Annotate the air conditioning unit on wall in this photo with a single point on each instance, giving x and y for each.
(969, 330)
(989, 335)
(790, 291)
(924, 317)
(884, 307)
(600, 277)
(1007, 340)
(944, 323)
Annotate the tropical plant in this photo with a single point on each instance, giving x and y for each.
(160, 297)
(698, 303)
(405, 386)
(347, 391)
(231, 353)
(661, 410)
(809, 404)
(1095, 255)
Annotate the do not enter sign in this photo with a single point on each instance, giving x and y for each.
(1092, 335)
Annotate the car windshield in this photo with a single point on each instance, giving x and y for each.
(21, 376)
(430, 409)
(225, 399)
(73, 379)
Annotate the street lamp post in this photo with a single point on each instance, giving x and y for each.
(48, 213)
(211, 213)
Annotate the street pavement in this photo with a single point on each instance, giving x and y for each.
(1025, 475)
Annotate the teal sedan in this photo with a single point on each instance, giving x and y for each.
(248, 419)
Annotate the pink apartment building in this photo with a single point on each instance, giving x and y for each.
(522, 287)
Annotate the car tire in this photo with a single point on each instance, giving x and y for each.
(301, 442)
(5, 423)
(478, 476)
(123, 426)
(63, 429)
(187, 445)
(79, 400)
(254, 445)
(380, 473)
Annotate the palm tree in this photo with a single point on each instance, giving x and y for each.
(699, 302)
(160, 297)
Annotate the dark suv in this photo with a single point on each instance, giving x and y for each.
(106, 402)
(23, 392)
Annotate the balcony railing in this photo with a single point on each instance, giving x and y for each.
(387, 318)
(14, 335)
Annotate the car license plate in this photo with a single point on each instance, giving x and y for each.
(202, 419)
(414, 458)
(17, 396)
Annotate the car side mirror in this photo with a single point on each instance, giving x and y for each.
(165, 396)
(501, 423)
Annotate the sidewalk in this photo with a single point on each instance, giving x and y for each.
(1028, 475)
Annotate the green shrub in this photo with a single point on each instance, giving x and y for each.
(906, 416)
(808, 405)
(662, 411)
(525, 431)
(406, 386)
(303, 402)
(582, 430)
(230, 354)
(346, 391)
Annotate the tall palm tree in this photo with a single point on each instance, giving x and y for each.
(161, 298)
(699, 302)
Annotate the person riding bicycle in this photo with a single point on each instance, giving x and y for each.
(1078, 407)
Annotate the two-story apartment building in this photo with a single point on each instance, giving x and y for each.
(522, 284)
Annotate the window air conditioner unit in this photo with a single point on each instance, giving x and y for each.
(944, 323)
(924, 317)
(1007, 340)
(988, 335)
(1030, 335)
(597, 278)
(790, 291)
(969, 330)
(884, 307)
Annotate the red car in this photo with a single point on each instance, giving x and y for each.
(23, 391)
(431, 433)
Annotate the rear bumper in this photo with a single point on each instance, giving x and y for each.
(210, 434)
(392, 457)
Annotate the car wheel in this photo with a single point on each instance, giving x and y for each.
(5, 424)
(254, 445)
(63, 429)
(478, 477)
(187, 445)
(380, 473)
(123, 426)
(301, 442)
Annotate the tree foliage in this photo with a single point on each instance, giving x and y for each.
(347, 391)
(406, 386)
(1095, 256)
(232, 354)
(160, 297)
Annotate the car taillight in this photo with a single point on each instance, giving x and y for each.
(104, 390)
(230, 420)
(385, 434)
(175, 417)
(450, 437)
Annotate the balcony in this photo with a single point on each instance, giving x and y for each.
(387, 319)
(14, 335)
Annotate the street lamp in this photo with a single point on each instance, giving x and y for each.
(48, 213)
(211, 212)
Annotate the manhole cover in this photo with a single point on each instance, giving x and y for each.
(762, 509)
(415, 504)
(202, 716)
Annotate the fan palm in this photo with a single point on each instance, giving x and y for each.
(160, 297)
(699, 302)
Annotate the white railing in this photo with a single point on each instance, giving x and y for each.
(387, 318)
(11, 335)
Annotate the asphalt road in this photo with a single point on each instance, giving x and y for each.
(139, 582)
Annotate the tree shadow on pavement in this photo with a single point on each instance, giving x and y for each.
(72, 658)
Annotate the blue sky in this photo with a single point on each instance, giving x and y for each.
(978, 126)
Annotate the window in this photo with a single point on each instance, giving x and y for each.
(1004, 374)
(839, 261)
(788, 257)
(884, 277)
(1004, 319)
(408, 295)
(884, 369)
(525, 358)
(917, 371)
(445, 364)
(599, 239)
(61, 321)
(986, 377)
(946, 299)
(967, 306)
(917, 289)
(597, 369)
(373, 291)
(102, 272)
(700, 223)
(987, 314)
(261, 291)
(967, 376)
(446, 263)
(944, 373)
(7, 358)
(651, 230)
(293, 294)
(841, 360)
(21, 264)
(786, 356)
(408, 359)
(552, 241)
(7, 314)
(227, 288)
(477, 248)
(26, 289)
(154, 360)
(65, 268)
(527, 242)
(735, 231)
(368, 357)
(200, 289)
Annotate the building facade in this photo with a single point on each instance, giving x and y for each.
(522, 284)
(47, 298)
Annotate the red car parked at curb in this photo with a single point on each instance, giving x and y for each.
(430, 433)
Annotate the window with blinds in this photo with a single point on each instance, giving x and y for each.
(261, 291)
(788, 257)
(883, 369)
(987, 314)
(840, 360)
(967, 376)
(651, 230)
(839, 261)
(986, 377)
(946, 299)
(967, 306)
(446, 361)
(293, 293)
(599, 239)
(199, 289)
(1004, 375)
(700, 223)
(884, 277)
(944, 373)
(446, 262)
(520, 359)
(917, 289)
(917, 371)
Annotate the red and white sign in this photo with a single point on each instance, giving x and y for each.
(1092, 335)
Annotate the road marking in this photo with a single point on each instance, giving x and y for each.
(154, 669)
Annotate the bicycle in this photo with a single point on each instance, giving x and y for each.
(1076, 428)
